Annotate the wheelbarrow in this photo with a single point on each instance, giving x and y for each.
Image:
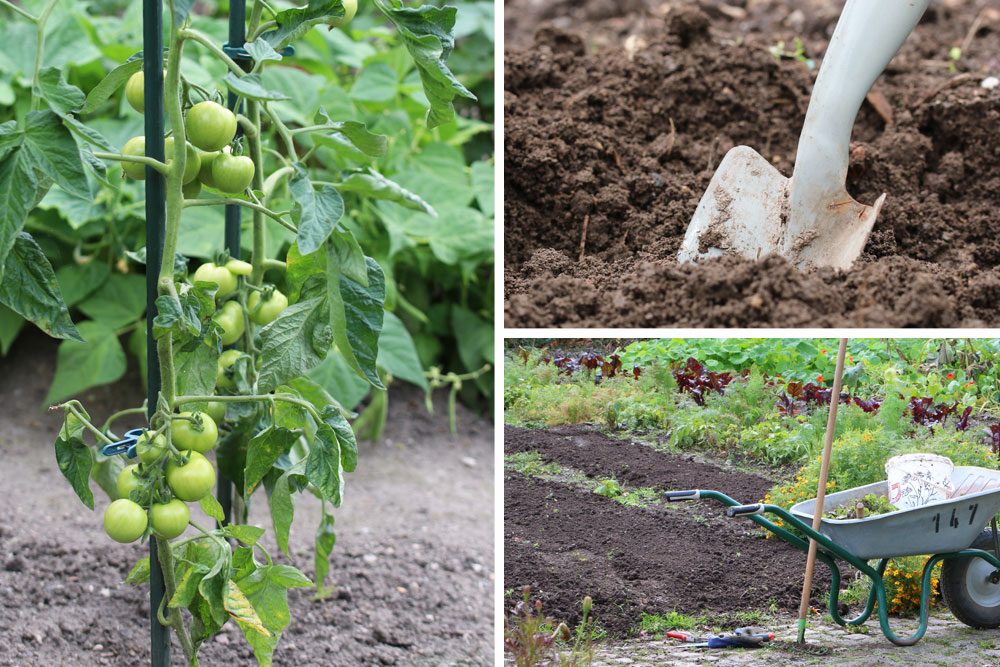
(953, 530)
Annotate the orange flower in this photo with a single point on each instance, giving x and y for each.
(951, 376)
(819, 378)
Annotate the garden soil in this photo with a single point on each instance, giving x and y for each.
(618, 113)
(413, 564)
(566, 543)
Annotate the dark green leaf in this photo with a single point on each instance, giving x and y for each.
(49, 148)
(18, 193)
(75, 458)
(323, 465)
(100, 360)
(29, 287)
(315, 213)
(264, 450)
(196, 366)
(250, 87)
(292, 22)
(295, 342)
(345, 437)
(346, 253)
(356, 317)
(427, 32)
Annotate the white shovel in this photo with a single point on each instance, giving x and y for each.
(751, 210)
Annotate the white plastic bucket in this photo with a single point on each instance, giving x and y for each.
(918, 479)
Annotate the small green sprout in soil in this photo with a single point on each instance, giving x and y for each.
(534, 639)
(868, 506)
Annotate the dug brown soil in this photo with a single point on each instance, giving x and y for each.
(617, 114)
(567, 543)
(412, 567)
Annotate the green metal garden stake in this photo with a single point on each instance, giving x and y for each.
(152, 63)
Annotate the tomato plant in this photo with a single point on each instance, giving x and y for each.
(313, 300)
(149, 449)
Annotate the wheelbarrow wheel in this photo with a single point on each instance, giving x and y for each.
(968, 590)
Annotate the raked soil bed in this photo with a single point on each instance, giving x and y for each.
(567, 542)
(412, 567)
(617, 114)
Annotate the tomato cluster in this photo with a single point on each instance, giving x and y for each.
(164, 492)
(210, 128)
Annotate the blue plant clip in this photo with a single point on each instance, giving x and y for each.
(127, 446)
(239, 53)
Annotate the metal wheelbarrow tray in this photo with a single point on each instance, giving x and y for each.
(949, 531)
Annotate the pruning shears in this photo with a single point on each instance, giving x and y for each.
(126, 446)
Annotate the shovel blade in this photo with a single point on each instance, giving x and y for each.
(741, 212)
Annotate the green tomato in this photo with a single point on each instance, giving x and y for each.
(239, 267)
(170, 519)
(186, 435)
(149, 452)
(214, 409)
(127, 480)
(232, 174)
(192, 481)
(135, 146)
(230, 318)
(350, 9)
(135, 91)
(125, 521)
(191, 190)
(210, 126)
(226, 359)
(220, 275)
(192, 159)
(268, 311)
(205, 173)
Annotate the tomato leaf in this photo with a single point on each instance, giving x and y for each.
(112, 82)
(317, 395)
(62, 97)
(349, 256)
(100, 360)
(315, 213)
(287, 576)
(264, 449)
(279, 498)
(246, 534)
(373, 145)
(29, 288)
(261, 50)
(211, 507)
(75, 458)
(250, 87)
(369, 183)
(78, 281)
(356, 316)
(140, 573)
(428, 34)
(239, 607)
(295, 342)
(293, 22)
(345, 437)
(323, 464)
(326, 538)
(18, 188)
(299, 267)
(49, 148)
(195, 367)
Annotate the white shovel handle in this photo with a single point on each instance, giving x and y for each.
(867, 36)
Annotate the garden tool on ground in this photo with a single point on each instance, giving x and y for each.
(750, 209)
